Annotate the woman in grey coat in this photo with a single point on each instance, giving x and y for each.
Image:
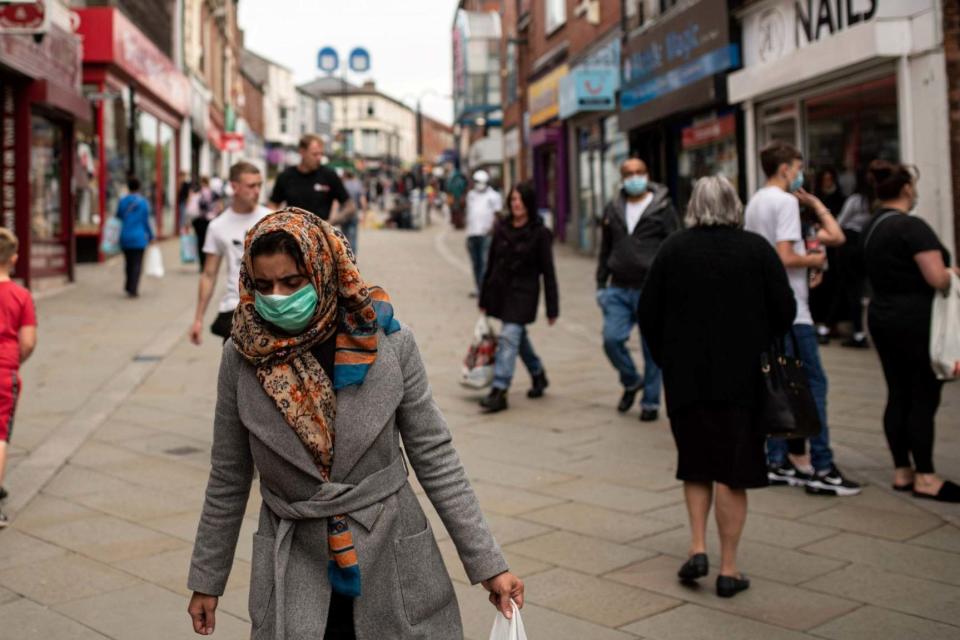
(343, 548)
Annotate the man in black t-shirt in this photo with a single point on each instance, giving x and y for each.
(312, 186)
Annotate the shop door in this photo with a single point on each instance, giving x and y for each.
(778, 123)
(49, 198)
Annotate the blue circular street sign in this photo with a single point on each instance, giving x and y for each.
(328, 60)
(359, 60)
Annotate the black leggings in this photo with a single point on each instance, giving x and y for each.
(133, 262)
(913, 396)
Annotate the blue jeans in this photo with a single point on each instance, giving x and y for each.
(619, 318)
(514, 341)
(821, 456)
(349, 229)
(478, 247)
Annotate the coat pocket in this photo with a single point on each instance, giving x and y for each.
(261, 578)
(424, 582)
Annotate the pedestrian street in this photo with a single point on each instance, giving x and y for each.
(111, 455)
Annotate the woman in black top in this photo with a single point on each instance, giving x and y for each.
(906, 264)
(715, 298)
(520, 254)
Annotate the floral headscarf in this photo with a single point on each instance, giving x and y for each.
(286, 367)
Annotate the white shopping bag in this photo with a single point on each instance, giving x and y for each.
(945, 332)
(477, 371)
(511, 629)
(153, 262)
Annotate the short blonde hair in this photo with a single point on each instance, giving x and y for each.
(8, 245)
(714, 203)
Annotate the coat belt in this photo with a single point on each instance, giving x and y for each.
(361, 501)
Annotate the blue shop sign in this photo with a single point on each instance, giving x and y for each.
(588, 90)
(710, 63)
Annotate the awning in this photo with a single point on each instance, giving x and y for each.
(62, 98)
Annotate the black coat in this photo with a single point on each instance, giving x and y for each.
(511, 285)
(714, 299)
(626, 257)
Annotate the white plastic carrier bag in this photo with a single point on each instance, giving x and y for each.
(477, 372)
(153, 262)
(511, 629)
(945, 331)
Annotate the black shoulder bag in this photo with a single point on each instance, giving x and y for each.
(787, 407)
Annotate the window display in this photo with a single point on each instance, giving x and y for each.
(46, 216)
(168, 191)
(116, 119)
(86, 179)
(148, 140)
(708, 146)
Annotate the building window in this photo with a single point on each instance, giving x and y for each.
(511, 68)
(556, 12)
(371, 111)
(284, 120)
(369, 141)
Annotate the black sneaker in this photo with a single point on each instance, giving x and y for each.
(832, 483)
(786, 474)
(854, 342)
(627, 399)
(649, 415)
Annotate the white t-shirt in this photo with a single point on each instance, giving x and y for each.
(482, 208)
(775, 214)
(225, 237)
(635, 211)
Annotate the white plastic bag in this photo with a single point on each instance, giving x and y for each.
(511, 629)
(153, 262)
(477, 372)
(945, 332)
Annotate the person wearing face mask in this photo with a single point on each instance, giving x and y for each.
(343, 549)
(634, 225)
(483, 204)
(774, 213)
(906, 265)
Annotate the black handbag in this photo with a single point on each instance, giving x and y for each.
(787, 407)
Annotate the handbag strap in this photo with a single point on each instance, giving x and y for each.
(876, 224)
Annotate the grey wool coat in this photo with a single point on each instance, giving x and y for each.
(406, 591)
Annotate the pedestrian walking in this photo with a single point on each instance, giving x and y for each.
(906, 265)
(356, 191)
(225, 243)
(521, 254)
(315, 355)
(312, 186)
(483, 204)
(206, 211)
(856, 213)
(774, 213)
(136, 233)
(18, 338)
(634, 226)
(456, 188)
(711, 363)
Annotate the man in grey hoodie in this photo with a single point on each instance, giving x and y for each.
(634, 226)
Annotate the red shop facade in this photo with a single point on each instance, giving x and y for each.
(41, 105)
(140, 99)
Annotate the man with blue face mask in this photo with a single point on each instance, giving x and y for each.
(774, 213)
(634, 226)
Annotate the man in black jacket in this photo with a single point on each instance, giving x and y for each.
(635, 224)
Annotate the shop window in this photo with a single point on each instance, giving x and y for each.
(46, 217)
(148, 141)
(116, 121)
(87, 178)
(708, 146)
(369, 142)
(556, 13)
(168, 180)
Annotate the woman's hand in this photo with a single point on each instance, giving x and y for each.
(202, 610)
(503, 588)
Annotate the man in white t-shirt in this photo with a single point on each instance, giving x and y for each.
(224, 243)
(483, 204)
(774, 213)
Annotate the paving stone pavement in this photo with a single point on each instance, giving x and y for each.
(110, 459)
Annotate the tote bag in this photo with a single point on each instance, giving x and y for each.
(945, 332)
(787, 407)
(110, 245)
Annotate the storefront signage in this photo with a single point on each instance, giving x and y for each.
(8, 157)
(545, 96)
(231, 142)
(776, 29)
(56, 59)
(683, 49)
(24, 17)
(709, 132)
(588, 90)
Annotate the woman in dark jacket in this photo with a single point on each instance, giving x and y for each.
(521, 252)
(715, 298)
(906, 265)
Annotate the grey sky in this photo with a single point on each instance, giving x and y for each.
(408, 41)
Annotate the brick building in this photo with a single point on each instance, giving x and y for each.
(436, 139)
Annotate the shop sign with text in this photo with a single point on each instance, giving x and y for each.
(545, 96)
(24, 17)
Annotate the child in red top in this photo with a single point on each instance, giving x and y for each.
(18, 337)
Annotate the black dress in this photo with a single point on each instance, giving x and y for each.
(714, 299)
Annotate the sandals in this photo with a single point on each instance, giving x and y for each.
(949, 492)
(903, 488)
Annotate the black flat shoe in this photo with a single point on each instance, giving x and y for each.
(949, 492)
(729, 586)
(627, 399)
(540, 384)
(695, 567)
(902, 487)
(3, 493)
(649, 415)
(495, 402)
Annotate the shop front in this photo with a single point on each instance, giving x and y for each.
(548, 142)
(41, 104)
(851, 97)
(141, 100)
(673, 99)
(588, 103)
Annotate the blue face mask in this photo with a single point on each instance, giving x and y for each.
(291, 313)
(636, 185)
(797, 183)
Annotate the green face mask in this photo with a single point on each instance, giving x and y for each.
(291, 313)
